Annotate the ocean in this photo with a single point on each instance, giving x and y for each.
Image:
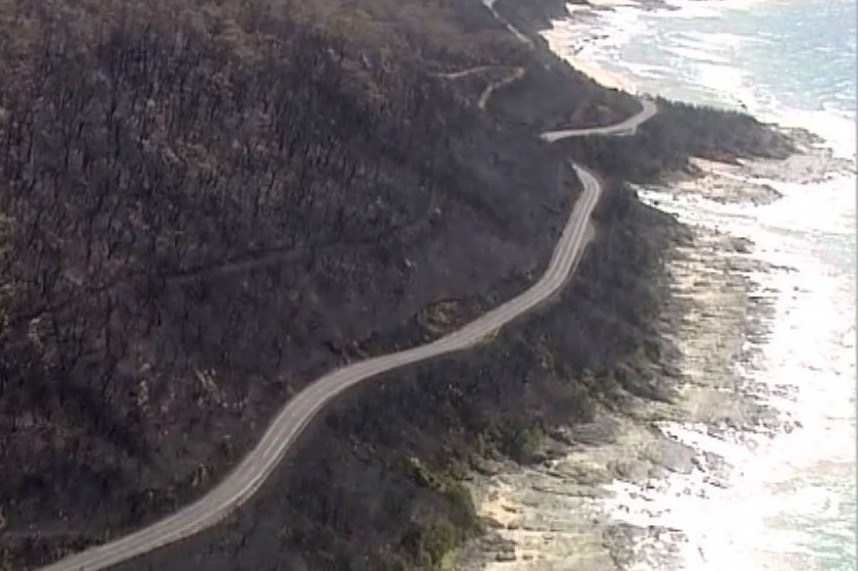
(789, 503)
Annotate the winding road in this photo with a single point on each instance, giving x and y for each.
(298, 412)
(515, 75)
(490, 5)
(622, 129)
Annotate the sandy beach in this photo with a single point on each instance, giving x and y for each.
(562, 41)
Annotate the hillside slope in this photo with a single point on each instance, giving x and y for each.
(205, 204)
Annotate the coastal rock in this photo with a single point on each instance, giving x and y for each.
(601, 431)
(618, 540)
(630, 470)
(505, 556)
(671, 455)
(491, 522)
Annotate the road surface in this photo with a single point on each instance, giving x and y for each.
(465, 72)
(490, 4)
(627, 127)
(514, 75)
(294, 417)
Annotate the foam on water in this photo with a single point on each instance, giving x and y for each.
(790, 503)
(789, 500)
(687, 53)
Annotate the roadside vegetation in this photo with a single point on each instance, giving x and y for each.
(205, 204)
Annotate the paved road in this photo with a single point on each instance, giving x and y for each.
(465, 72)
(285, 429)
(627, 127)
(490, 4)
(514, 75)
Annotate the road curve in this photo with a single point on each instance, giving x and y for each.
(627, 127)
(624, 128)
(294, 417)
(516, 74)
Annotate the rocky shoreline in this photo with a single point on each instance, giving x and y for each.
(745, 182)
(562, 512)
(375, 481)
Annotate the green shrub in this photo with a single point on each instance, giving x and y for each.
(521, 444)
(429, 541)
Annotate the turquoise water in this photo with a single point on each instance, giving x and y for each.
(796, 54)
(794, 62)
(805, 53)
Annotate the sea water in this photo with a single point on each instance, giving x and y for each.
(790, 503)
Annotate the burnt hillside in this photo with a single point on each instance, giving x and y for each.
(204, 204)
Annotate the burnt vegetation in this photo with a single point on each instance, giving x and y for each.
(205, 204)
(201, 206)
(679, 131)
